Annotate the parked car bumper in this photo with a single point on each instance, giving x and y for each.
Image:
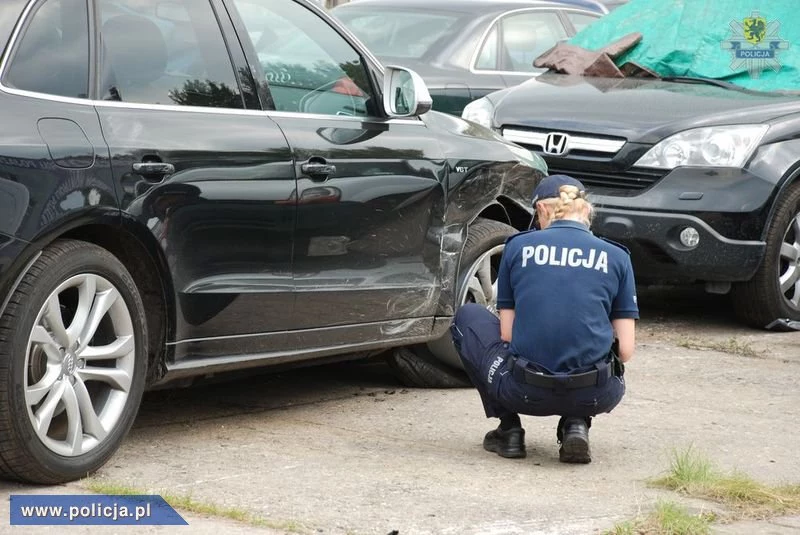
(726, 207)
(658, 254)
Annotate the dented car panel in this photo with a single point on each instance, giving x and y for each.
(502, 171)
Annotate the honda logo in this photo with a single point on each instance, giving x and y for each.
(556, 144)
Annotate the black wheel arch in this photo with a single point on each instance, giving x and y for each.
(495, 211)
(29, 250)
(139, 252)
(505, 210)
(789, 179)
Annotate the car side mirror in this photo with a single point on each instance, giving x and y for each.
(404, 93)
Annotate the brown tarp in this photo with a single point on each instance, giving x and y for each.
(565, 58)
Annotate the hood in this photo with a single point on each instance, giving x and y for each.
(642, 110)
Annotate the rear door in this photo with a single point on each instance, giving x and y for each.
(370, 189)
(209, 174)
(54, 167)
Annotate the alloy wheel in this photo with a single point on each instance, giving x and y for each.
(79, 365)
(789, 264)
(481, 281)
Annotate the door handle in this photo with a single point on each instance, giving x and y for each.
(153, 169)
(318, 169)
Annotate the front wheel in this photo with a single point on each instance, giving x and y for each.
(437, 364)
(72, 364)
(774, 292)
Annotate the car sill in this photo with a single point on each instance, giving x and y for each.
(386, 334)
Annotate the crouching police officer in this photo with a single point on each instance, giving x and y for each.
(563, 296)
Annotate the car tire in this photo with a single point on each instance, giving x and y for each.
(416, 367)
(436, 364)
(73, 358)
(761, 300)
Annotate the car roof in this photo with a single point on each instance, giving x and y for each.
(477, 6)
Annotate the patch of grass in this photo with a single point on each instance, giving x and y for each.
(732, 345)
(692, 475)
(687, 469)
(668, 518)
(186, 503)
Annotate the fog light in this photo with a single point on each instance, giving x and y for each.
(690, 237)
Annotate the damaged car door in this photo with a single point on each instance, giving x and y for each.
(369, 188)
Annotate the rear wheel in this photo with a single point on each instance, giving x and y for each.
(774, 292)
(72, 364)
(437, 364)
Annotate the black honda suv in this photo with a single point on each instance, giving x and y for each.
(699, 178)
(200, 186)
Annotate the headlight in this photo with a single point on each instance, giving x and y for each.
(717, 146)
(479, 111)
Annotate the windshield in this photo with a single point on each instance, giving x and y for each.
(399, 33)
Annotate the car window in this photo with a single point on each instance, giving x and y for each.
(10, 11)
(525, 36)
(53, 55)
(581, 20)
(487, 59)
(308, 66)
(156, 52)
(399, 33)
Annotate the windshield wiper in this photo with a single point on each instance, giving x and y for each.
(698, 80)
(726, 85)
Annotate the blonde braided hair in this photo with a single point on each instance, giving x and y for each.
(571, 203)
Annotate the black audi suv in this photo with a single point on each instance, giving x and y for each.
(180, 197)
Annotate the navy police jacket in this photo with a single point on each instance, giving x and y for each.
(565, 286)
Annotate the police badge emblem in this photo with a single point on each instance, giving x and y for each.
(755, 44)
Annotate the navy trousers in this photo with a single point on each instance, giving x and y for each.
(487, 361)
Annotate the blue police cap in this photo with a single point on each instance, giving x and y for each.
(549, 186)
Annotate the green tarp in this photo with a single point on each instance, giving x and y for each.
(752, 43)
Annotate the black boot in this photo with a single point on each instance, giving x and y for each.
(509, 443)
(573, 435)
